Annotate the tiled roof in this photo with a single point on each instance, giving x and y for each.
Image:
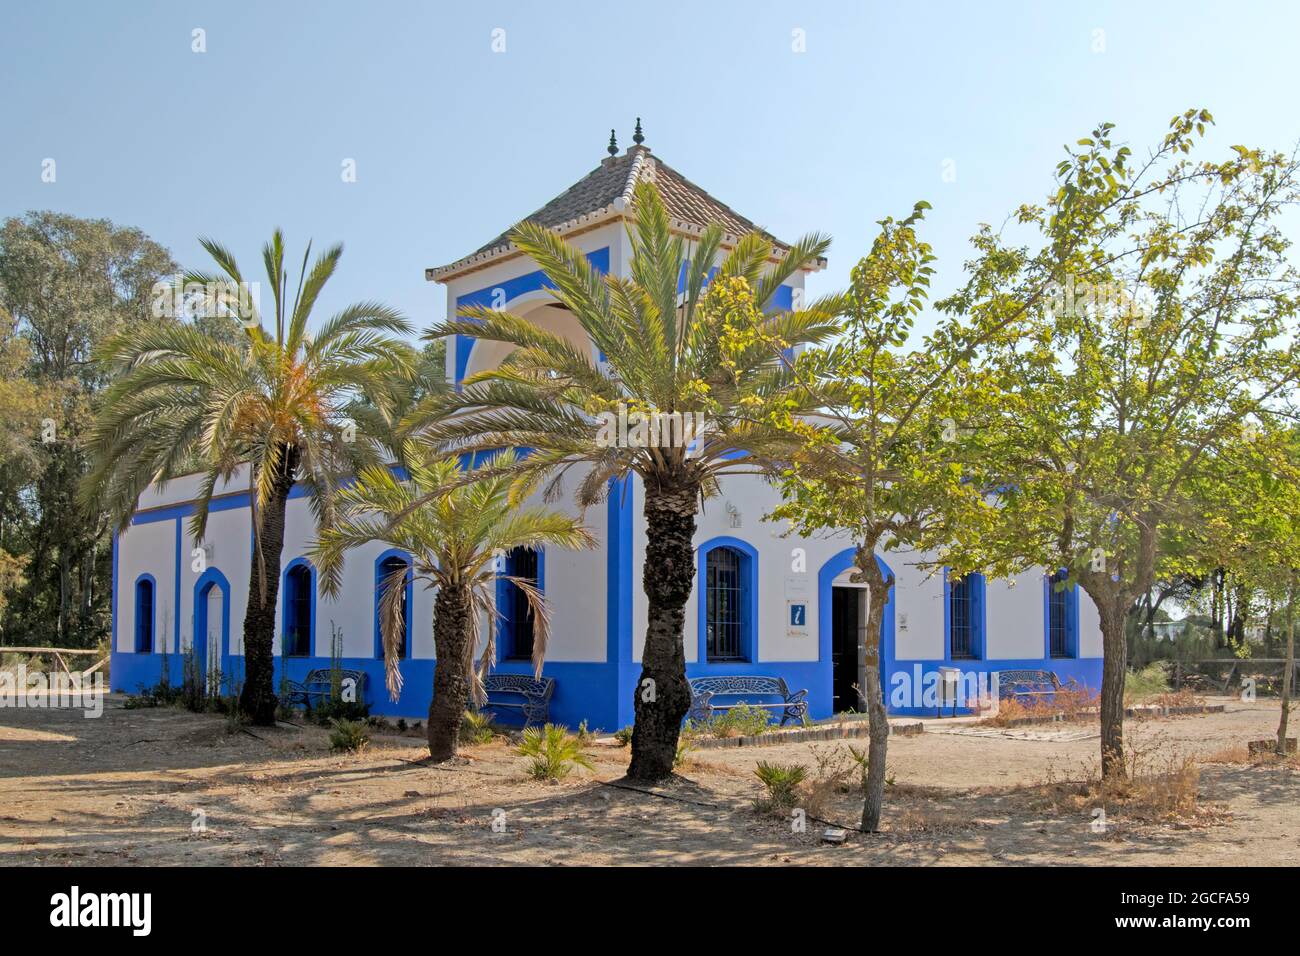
(606, 192)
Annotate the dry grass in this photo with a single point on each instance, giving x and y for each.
(1065, 704)
(1177, 698)
(1161, 787)
(1239, 755)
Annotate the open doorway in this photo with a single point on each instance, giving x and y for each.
(846, 656)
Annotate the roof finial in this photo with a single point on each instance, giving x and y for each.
(638, 137)
(612, 149)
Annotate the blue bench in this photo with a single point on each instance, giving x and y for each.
(1028, 683)
(530, 696)
(318, 685)
(706, 691)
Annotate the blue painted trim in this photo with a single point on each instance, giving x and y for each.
(410, 598)
(176, 615)
(284, 609)
(153, 614)
(112, 600)
(618, 572)
(207, 580)
(511, 289)
(749, 600)
(505, 642)
(833, 568)
(1071, 598)
(976, 586)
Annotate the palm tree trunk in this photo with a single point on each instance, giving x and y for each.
(1113, 667)
(873, 797)
(258, 699)
(662, 697)
(451, 674)
(1287, 672)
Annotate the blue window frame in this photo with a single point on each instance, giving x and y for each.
(728, 601)
(1061, 617)
(145, 619)
(516, 623)
(964, 614)
(387, 566)
(299, 608)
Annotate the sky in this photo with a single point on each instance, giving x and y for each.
(801, 116)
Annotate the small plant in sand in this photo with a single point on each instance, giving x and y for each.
(554, 752)
(687, 741)
(624, 735)
(348, 736)
(783, 784)
(476, 728)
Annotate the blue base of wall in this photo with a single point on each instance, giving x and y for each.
(602, 694)
(1086, 672)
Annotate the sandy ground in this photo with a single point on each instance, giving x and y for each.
(164, 786)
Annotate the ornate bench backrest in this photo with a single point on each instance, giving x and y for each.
(1036, 678)
(741, 684)
(323, 676)
(519, 684)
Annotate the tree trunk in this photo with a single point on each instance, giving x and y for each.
(1288, 670)
(662, 697)
(1113, 667)
(451, 670)
(873, 799)
(258, 699)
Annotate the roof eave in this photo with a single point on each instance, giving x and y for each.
(614, 212)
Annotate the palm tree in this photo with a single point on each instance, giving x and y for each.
(703, 346)
(271, 402)
(455, 533)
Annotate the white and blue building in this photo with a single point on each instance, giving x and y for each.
(763, 603)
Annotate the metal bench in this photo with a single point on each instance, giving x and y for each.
(530, 696)
(1028, 683)
(705, 692)
(318, 685)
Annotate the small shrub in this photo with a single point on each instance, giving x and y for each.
(782, 782)
(743, 720)
(349, 736)
(1150, 681)
(330, 710)
(686, 742)
(477, 728)
(554, 752)
(585, 735)
(624, 736)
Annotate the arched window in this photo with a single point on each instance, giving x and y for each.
(299, 591)
(387, 569)
(727, 605)
(966, 618)
(516, 620)
(1062, 617)
(144, 615)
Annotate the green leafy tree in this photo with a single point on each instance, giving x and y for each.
(664, 354)
(456, 533)
(66, 284)
(268, 407)
(1171, 322)
(1251, 526)
(883, 464)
